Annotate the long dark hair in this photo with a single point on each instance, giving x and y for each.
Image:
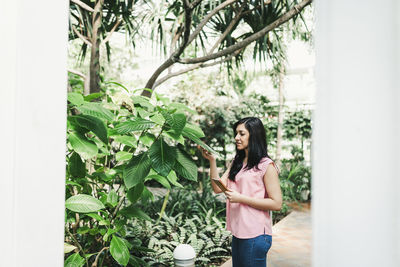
(257, 146)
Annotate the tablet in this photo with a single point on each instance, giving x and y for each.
(220, 184)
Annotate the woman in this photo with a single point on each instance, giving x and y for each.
(253, 190)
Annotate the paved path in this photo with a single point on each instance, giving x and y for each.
(291, 241)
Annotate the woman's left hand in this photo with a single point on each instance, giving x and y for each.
(233, 196)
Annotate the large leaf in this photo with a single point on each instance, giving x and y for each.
(96, 110)
(93, 124)
(162, 180)
(123, 155)
(83, 204)
(197, 140)
(173, 179)
(75, 99)
(119, 250)
(143, 101)
(185, 166)
(133, 211)
(179, 121)
(194, 130)
(162, 157)
(182, 107)
(135, 193)
(76, 166)
(112, 198)
(136, 170)
(126, 140)
(138, 124)
(68, 248)
(85, 148)
(75, 260)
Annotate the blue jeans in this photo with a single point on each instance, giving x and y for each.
(251, 252)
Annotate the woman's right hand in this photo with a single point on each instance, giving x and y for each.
(206, 154)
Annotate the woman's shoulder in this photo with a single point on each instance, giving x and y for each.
(266, 160)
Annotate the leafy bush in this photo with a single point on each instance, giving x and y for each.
(115, 147)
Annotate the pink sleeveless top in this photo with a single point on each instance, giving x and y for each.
(242, 220)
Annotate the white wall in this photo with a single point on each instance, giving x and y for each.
(356, 214)
(33, 125)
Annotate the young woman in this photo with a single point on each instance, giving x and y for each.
(253, 190)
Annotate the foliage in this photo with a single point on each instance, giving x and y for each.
(115, 147)
(195, 218)
(295, 181)
(195, 30)
(297, 125)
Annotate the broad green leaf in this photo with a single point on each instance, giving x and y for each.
(123, 155)
(133, 211)
(185, 166)
(112, 198)
(83, 204)
(162, 157)
(92, 96)
(147, 139)
(197, 140)
(73, 183)
(76, 167)
(162, 180)
(173, 179)
(91, 123)
(182, 107)
(85, 148)
(143, 101)
(119, 251)
(135, 193)
(75, 260)
(95, 216)
(109, 232)
(158, 118)
(143, 113)
(75, 99)
(96, 110)
(177, 137)
(137, 124)
(194, 130)
(126, 140)
(136, 170)
(68, 248)
(179, 121)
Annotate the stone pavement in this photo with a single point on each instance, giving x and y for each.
(291, 240)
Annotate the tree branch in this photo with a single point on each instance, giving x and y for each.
(83, 5)
(175, 56)
(112, 31)
(207, 18)
(84, 38)
(284, 18)
(200, 65)
(196, 66)
(80, 74)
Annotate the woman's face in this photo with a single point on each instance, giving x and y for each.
(242, 137)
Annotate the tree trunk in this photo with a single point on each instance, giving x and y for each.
(280, 118)
(94, 72)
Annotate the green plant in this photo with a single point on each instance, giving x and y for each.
(204, 232)
(295, 179)
(114, 148)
